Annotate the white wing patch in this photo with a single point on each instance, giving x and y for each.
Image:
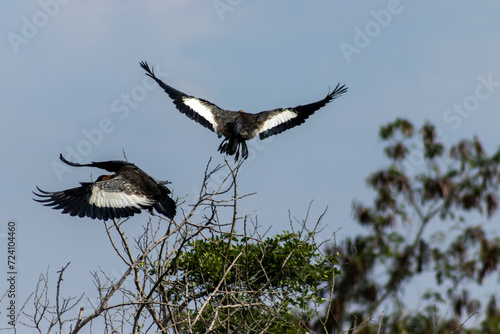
(105, 199)
(201, 109)
(277, 119)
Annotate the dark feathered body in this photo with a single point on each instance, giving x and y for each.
(119, 195)
(239, 126)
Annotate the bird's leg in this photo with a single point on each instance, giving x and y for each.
(223, 146)
(237, 153)
(244, 150)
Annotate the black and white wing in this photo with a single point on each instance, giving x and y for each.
(110, 166)
(278, 120)
(108, 199)
(199, 110)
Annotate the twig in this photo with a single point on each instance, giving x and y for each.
(114, 287)
(113, 242)
(58, 309)
(463, 323)
(200, 311)
(79, 316)
(380, 322)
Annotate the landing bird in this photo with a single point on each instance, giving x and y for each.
(112, 196)
(237, 127)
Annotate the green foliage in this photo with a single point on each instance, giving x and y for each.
(279, 276)
(435, 191)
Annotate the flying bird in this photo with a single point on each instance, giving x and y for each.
(238, 127)
(119, 195)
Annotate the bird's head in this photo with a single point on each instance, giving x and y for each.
(105, 177)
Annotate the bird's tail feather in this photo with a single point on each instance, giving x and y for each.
(166, 206)
(232, 146)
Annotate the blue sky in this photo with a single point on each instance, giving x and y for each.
(69, 67)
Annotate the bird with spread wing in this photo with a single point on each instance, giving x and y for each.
(120, 195)
(237, 126)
